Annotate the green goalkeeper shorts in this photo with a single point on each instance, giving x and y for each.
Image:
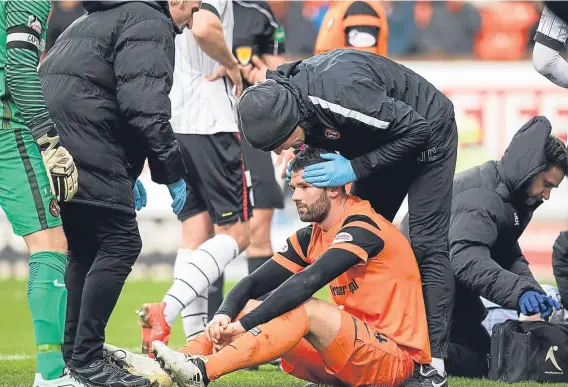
(25, 192)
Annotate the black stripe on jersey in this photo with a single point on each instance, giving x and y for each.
(22, 37)
(210, 8)
(291, 255)
(549, 42)
(365, 239)
(360, 218)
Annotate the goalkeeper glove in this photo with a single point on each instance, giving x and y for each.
(59, 164)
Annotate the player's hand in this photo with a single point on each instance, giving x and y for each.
(333, 173)
(234, 74)
(214, 328)
(285, 159)
(140, 197)
(234, 329)
(62, 173)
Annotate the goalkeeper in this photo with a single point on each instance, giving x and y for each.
(26, 195)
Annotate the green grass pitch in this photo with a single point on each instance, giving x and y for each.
(17, 344)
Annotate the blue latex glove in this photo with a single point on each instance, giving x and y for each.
(140, 197)
(334, 173)
(179, 194)
(532, 302)
(289, 172)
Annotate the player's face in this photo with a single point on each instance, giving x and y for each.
(313, 204)
(182, 12)
(295, 141)
(542, 184)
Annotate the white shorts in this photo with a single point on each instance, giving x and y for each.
(552, 30)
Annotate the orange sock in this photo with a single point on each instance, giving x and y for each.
(198, 346)
(269, 342)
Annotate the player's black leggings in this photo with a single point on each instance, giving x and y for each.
(103, 246)
(428, 182)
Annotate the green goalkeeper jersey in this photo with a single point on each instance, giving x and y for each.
(23, 27)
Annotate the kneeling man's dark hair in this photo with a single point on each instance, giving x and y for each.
(556, 153)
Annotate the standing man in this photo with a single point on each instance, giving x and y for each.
(560, 265)
(35, 173)
(106, 82)
(396, 135)
(258, 43)
(215, 218)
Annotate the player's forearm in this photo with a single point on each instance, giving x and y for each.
(211, 40)
(300, 287)
(263, 280)
(25, 88)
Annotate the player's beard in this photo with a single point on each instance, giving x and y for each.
(318, 211)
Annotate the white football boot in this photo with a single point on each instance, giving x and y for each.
(140, 365)
(185, 370)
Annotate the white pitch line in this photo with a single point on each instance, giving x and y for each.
(22, 356)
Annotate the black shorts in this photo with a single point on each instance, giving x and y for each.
(266, 193)
(216, 179)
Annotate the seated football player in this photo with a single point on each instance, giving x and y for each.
(374, 332)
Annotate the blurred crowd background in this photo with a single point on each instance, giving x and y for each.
(430, 30)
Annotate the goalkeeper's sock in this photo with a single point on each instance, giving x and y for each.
(261, 344)
(202, 269)
(182, 258)
(47, 299)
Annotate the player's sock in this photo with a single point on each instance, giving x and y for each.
(205, 265)
(47, 298)
(198, 346)
(182, 258)
(438, 364)
(254, 263)
(194, 316)
(261, 344)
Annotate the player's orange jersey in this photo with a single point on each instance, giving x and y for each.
(333, 31)
(384, 290)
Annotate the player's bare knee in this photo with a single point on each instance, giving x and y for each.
(51, 239)
(238, 231)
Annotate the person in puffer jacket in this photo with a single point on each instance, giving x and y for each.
(106, 83)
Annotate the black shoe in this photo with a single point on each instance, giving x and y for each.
(426, 376)
(103, 373)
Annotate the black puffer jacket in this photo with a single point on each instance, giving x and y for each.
(106, 84)
(560, 265)
(489, 214)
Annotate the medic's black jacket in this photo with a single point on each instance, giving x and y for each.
(372, 110)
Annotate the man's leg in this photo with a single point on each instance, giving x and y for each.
(82, 252)
(119, 246)
(356, 353)
(31, 208)
(468, 350)
(430, 203)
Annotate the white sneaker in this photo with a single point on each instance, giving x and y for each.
(185, 370)
(140, 365)
(64, 381)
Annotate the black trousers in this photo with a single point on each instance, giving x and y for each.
(468, 351)
(428, 181)
(103, 246)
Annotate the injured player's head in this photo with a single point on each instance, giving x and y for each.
(314, 204)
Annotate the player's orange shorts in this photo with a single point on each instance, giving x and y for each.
(358, 356)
